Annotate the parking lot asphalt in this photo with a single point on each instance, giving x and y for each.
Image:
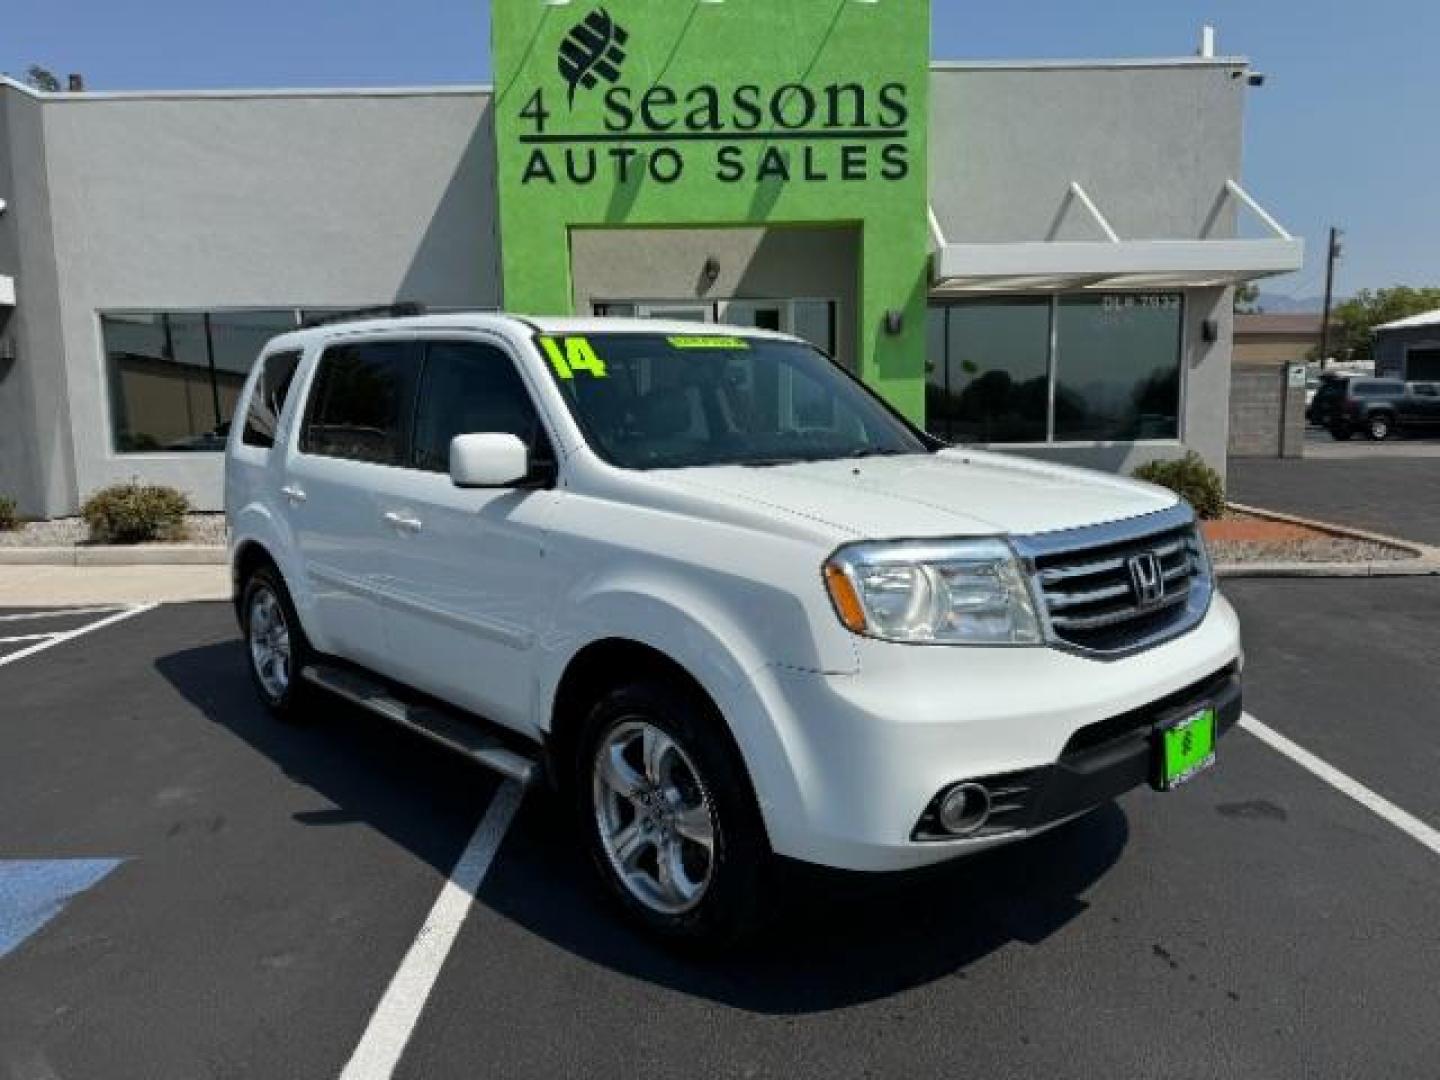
(1392, 488)
(271, 879)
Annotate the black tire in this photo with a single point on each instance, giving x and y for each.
(739, 893)
(1340, 432)
(1379, 427)
(288, 703)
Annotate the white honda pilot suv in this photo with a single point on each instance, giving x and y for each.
(731, 604)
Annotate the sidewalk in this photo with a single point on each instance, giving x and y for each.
(63, 586)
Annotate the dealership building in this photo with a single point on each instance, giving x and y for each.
(1034, 256)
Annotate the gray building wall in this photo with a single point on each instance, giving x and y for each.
(1152, 144)
(1392, 346)
(257, 200)
(36, 462)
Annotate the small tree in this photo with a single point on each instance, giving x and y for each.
(1353, 320)
(42, 79)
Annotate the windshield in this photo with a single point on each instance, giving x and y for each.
(656, 401)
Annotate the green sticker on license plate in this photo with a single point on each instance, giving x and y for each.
(1186, 749)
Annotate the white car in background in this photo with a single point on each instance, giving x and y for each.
(721, 595)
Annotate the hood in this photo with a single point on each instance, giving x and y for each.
(952, 493)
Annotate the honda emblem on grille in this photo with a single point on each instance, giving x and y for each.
(1146, 580)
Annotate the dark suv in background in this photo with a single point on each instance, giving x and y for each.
(1378, 407)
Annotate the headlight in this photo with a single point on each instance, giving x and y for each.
(955, 592)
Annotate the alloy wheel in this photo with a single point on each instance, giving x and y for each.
(655, 817)
(269, 640)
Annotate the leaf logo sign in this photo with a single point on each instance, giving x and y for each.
(592, 50)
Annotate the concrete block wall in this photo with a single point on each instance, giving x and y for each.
(1267, 415)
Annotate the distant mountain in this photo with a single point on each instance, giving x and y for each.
(1277, 303)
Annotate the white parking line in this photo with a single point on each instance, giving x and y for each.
(18, 638)
(399, 1010)
(1378, 804)
(68, 635)
(60, 613)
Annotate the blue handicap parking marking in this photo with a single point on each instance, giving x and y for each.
(34, 891)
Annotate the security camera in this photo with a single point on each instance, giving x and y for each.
(1255, 78)
(3, 206)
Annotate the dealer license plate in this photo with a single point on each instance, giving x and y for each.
(1184, 749)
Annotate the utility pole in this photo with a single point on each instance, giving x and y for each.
(1331, 257)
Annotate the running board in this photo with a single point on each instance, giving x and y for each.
(442, 727)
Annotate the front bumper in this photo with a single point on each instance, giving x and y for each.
(1101, 762)
(860, 757)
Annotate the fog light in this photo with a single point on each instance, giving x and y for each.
(964, 809)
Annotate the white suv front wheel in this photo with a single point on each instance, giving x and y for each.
(654, 817)
(669, 816)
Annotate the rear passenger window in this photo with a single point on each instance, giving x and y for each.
(469, 387)
(362, 395)
(277, 372)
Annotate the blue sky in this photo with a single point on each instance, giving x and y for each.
(1343, 131)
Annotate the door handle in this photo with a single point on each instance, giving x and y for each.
(293, 493)
(403, 522)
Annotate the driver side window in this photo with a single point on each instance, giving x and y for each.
(469, 387)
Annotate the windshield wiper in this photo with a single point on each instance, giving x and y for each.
(770, 463)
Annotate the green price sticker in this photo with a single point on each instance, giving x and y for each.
(707, 342)
(571, 355)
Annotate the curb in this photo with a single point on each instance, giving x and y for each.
(1418, 549)
(139, 555)
(1398, 569)
(1424, 561)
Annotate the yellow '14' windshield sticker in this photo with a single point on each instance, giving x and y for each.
(707, 342)
(574, 354)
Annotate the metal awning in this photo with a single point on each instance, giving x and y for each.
(1113, 262)
(7, 291)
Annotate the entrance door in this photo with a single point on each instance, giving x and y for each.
(1422, 365)
(761, 314)
(701, 313)
(812, 320)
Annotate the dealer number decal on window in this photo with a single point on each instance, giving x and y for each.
(573, 354)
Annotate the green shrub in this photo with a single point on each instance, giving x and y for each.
(1191, 479)
(9, 515)
(135, 513)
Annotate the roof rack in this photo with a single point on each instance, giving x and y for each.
(405, 309)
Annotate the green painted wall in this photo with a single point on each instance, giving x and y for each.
(748, 112)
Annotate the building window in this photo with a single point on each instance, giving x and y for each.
(175, 376)
(1090, 367)
(991, 384)
(1118, 366)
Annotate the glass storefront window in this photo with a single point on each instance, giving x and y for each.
(1119, 367)
(175, 376)
(1089, 367)
(998, 370)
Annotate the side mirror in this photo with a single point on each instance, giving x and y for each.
(488, 461)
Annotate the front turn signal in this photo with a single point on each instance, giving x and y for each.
(844, 597)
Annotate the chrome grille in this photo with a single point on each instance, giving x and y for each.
(1093, 582)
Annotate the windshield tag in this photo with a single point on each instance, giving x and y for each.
(707, 342)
